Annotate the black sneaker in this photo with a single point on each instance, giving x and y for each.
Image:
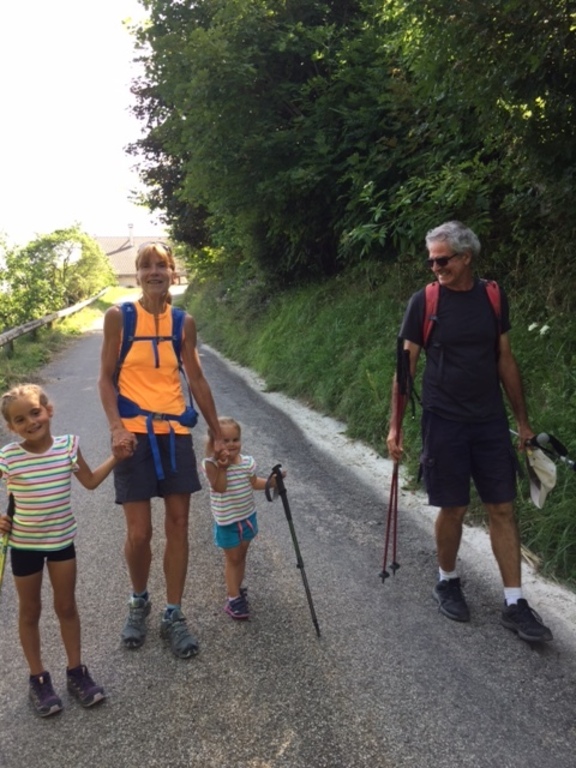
(82, 687)
(527, 624)
(450, 599)
(42, 695)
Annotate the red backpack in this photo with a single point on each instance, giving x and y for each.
(432, 295)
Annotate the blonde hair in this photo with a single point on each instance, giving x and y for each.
(22, 390)
(224, 421)
(162, 250)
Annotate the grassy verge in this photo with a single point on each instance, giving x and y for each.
(333, 347)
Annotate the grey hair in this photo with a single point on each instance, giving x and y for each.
(459, 237)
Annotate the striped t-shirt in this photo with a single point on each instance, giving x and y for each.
(237, 502)
(41, 484)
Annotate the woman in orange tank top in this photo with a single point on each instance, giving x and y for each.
(152, 381)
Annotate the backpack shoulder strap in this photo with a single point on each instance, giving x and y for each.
(128, 329)
(178, 317)
(494, 296)
(431, 295)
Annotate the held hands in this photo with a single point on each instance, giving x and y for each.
(123, 443)
(222, 459)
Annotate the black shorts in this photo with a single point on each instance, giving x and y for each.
(454, 452)
(25, 562)
(135, 478)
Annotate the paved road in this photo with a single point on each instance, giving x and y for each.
(390, 684)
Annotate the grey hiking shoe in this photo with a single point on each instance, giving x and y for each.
(134, 632)
(527, 624)
(174, 630)
(448, 594)
(43, 696)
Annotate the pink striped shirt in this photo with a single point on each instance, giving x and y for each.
(42, 485)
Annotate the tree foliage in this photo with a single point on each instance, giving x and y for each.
(52, 272)
(307, 137)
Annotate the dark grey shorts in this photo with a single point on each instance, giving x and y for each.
(454, 452)
(135, 478)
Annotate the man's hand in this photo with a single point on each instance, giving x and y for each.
(394, 444)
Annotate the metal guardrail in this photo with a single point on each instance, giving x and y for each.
(8, 336)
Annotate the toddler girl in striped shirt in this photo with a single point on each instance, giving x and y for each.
(232, 477)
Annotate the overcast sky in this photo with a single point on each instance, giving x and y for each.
(65, 71)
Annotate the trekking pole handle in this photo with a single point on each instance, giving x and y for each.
(278, 488)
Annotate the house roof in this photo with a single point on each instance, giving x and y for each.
(122, 252)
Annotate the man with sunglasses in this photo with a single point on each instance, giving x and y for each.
(465, 431)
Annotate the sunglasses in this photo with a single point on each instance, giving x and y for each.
(441, 261)
(166, 247)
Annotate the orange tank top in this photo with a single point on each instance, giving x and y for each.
(153, 388)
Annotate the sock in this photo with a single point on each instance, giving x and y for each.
(144, 595)
(232, 598)
(447, 575)
(75, 670)
(512, 595)
(170, 607)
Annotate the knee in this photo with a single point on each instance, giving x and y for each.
(177, 525)
(139, 536)
(453, 514)
(66, 610)
(29, 612)
(502, 513)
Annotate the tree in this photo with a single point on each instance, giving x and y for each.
(52, 272)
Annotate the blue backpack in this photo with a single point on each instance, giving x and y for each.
(128, 408)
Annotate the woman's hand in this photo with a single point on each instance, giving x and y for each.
(123, 443)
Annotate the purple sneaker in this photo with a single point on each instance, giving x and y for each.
(42, 694)
(82, 687)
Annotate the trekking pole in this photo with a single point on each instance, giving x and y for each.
(281, 489)
(401, 394)
(543, 440)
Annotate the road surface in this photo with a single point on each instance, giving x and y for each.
(390, 684)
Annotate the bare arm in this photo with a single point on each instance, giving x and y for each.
(216, 473)
(512, 382)
(123, 441)
(92, 479)
(395, 433)
(198, 383)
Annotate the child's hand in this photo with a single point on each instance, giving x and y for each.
(222, 459)
(5, 524)
(273, 479)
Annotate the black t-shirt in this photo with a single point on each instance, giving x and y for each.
(461, 379)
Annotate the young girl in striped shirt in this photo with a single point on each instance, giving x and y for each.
(232, 477)
(38, 471)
